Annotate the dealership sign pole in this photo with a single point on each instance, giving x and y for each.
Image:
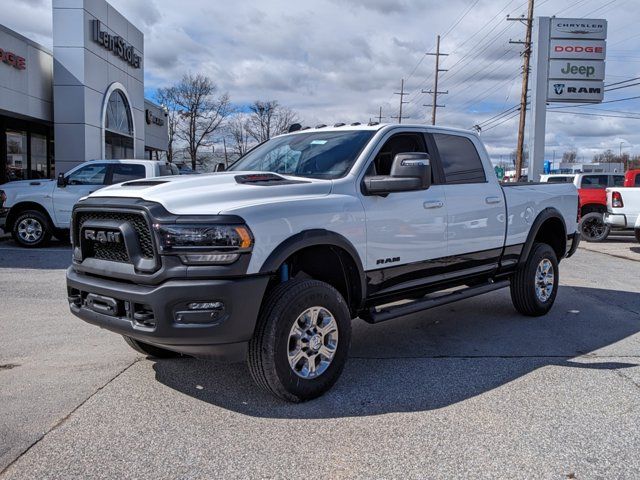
(568, 67)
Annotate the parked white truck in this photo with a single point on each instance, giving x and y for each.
(35, 210)
(623, 209)
(271, 260)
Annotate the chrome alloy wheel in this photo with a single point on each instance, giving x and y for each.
(544, 280)
(30, 230)
(313, 341)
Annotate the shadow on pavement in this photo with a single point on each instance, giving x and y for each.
(57, 255)
(437, 358)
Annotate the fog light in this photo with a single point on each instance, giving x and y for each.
(209, 258)
(206, 306)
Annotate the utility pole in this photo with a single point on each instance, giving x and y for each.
(402, 102)
(226, 159)
(380, 117)
(526, 54)
(434, 105)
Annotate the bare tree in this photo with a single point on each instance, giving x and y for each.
(570, 156)
(240, 138)
(201, 112)
(163, 96)
(268, 119)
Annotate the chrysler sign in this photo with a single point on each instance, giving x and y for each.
(578, 28)
(115, 44)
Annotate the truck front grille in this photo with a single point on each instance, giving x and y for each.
(115, 252)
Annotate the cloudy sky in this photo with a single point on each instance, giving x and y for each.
(340, 60)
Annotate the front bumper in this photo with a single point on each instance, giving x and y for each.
(616, 220)
(160, 315)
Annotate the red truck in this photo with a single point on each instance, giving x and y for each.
(632, 178)
(593, 198)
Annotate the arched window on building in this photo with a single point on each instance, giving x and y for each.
(118, 127)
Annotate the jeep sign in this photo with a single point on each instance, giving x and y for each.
(576, 69)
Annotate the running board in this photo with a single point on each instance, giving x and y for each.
(391, 312)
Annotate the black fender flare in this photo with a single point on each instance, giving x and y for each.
(543, 216)
(312, 238)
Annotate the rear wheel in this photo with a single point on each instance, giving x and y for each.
(31, 229)
(535, 284)
(301, 342)
(593, 228)
(150, 350)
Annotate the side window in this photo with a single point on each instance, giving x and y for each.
(594, 181)
(618, 180)
(637, 182)
(398, 143)
(166, 169)
(123, 172)
(460, 160)
(93, 174)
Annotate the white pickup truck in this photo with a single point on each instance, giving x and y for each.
(623, 209)
(34, 210)
(271, 260)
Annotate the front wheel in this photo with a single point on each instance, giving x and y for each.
(301, 341)
(31, 229)
(593, 228)
(535, 284)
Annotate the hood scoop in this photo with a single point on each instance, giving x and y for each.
(144, 183)
(265, 179)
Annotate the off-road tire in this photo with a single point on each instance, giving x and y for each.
(268, 349)
(150, 350)
(592, 227)
(523, 283)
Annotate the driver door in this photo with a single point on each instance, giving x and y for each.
(404, 229)
(80, 183)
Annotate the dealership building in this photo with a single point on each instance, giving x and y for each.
(84, 100)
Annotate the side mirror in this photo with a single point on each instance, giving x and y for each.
(62, 181)
(409, 172)
(220, 167)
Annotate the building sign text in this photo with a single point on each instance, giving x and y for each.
(115, 44)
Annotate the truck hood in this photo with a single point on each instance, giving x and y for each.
(218, 193)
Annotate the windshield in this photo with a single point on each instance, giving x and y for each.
(314, 154)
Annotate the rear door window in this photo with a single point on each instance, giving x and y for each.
(594, 181)
(460, 159)
(124, 172)
(637, 182)
(618, 180)
(560, 180)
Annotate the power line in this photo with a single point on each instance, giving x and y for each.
(622, 81)
(498, 116)
(621, 87)
(587, 104)
(601, 115)
(514, 115)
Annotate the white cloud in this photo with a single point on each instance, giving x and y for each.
(340, 60)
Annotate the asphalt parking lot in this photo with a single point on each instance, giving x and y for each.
(470, 390)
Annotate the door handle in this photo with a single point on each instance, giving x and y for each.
(491, 200)
(436, 204)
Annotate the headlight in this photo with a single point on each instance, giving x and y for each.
(204, 244)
